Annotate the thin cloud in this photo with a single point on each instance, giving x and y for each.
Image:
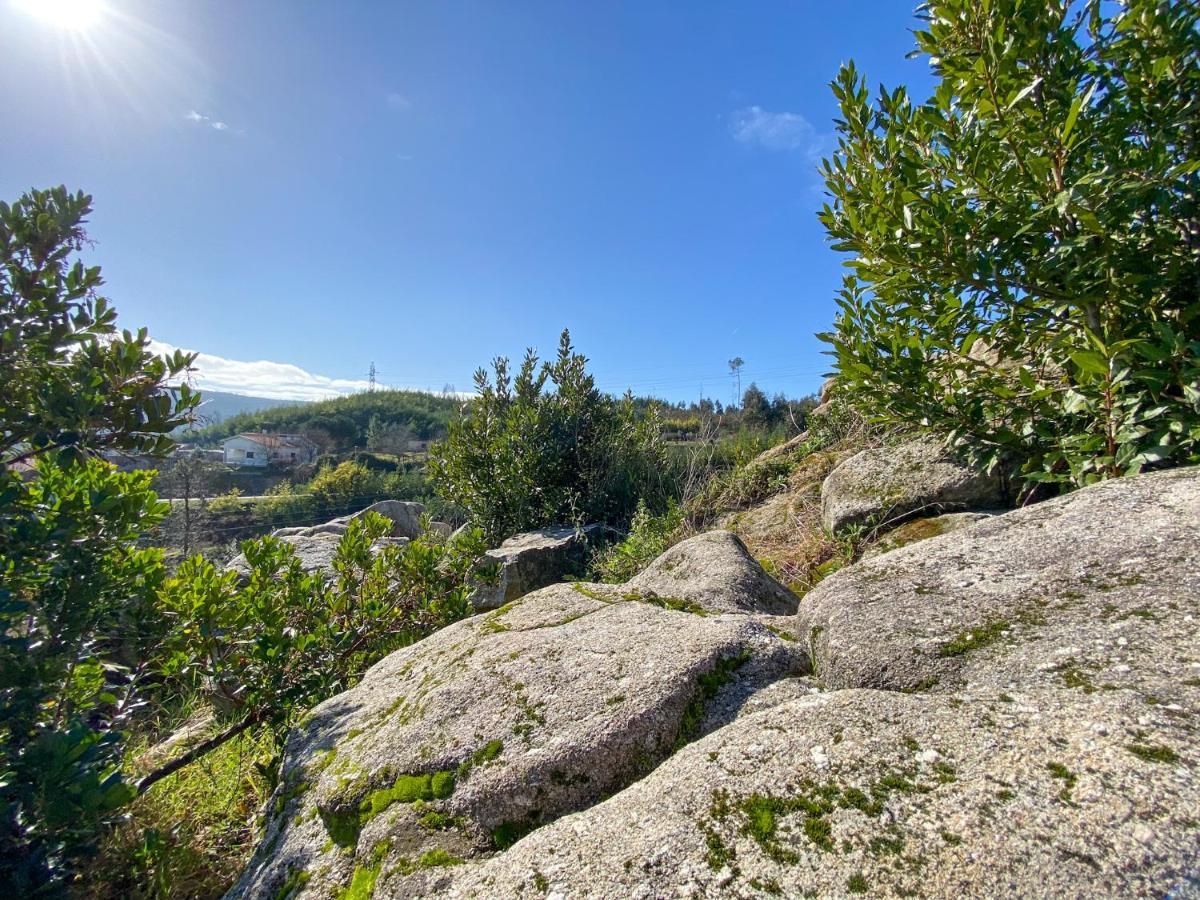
(398, 101)
(201, 119)
(782, 131)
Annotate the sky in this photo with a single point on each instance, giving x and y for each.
(299, 189)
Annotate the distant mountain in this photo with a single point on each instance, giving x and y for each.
(217, 406)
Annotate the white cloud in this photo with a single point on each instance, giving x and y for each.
(200, 119)
(786, 131)
(280, 381)
(398, 101)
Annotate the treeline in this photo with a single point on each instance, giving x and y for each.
(342, 423)
(756, 412)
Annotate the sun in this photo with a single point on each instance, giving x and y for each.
(70, 15)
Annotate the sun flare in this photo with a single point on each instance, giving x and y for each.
(70, 15)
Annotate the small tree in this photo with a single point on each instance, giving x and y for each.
(1026, 242)
(546, 448)
(76, 595)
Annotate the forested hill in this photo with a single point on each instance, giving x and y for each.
(345, 419)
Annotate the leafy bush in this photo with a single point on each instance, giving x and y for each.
(270, 646)
(76, 595)
(523, 456)
(649, 537)
(1025, 262)
(345, 487)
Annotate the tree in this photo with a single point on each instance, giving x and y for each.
(76, 594)
(735, 369)
(756, 409)
(1026, 242)
(547, 448)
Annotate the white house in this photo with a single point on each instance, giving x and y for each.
(268, 449)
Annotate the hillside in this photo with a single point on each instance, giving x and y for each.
(345, 419)
(217, 406)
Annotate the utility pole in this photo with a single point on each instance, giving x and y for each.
(371, 376)
(735, 369)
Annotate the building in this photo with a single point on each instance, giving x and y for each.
(260, 450)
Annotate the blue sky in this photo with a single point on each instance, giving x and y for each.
(427, 185)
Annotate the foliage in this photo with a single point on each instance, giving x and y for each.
(189, 838)
(273, 644)
(547, 447)
(1026, 250)
(347, 421)
(75, 610)
(338, 488)
(649, 537)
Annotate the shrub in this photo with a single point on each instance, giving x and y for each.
(75, 593)
(344, 487)
(271, 645)
(546, 447)
(1026, 264)
(649, 537)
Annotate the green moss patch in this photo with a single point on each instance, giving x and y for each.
(976, 638)
(1153, 753)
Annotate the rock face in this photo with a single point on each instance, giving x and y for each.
(1009, 709)
(1050, 748)
(533, 560)
(892, 483)
(456, 746)
(922, 529)
(715, 571)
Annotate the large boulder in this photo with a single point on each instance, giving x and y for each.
(532, 560)
(1071, 581)
(1008, 710)
(714, 570)
(453, 748)
(405, 516)
(886, 485)
(315, 551)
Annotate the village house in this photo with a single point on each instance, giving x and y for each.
(261, 450)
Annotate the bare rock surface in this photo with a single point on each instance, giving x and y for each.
(532, 560)
(715, 571)
(1008, 710)
(888, 484)
(917, 530)
(1089, 577)
(453, 748)
(880, 794)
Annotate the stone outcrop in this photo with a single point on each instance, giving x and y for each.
(886, 485)
(533, 560)
(316, 545)
(1007, 709)
(715, 571)
(453, 748)
(922, 529)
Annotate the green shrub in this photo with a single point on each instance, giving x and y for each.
(76, 610)
(545, 448)
(1025, 265)
(344, 488)
(649, 537)
(271, 645)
